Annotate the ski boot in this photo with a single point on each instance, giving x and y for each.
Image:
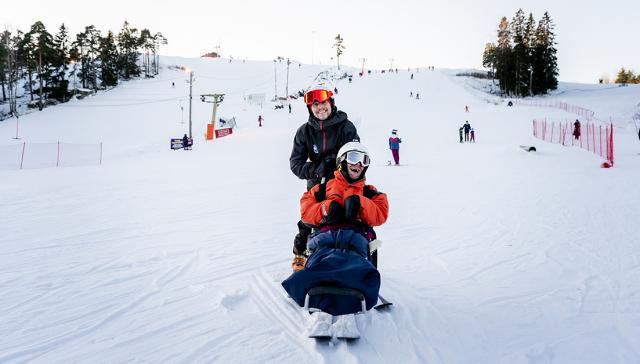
(298, 262)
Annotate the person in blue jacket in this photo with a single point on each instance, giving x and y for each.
(394, 145)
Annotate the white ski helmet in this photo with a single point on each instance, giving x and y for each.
(345, 156)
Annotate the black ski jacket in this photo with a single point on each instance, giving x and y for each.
(318, 142)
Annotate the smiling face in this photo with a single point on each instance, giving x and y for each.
(321, 110)
(354, 170)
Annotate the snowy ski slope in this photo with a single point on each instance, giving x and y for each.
(491, 254)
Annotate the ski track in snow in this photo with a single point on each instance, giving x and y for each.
(42, 349)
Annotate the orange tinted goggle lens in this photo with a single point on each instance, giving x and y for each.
(317, 95)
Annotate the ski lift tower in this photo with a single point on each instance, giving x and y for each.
(214, 99)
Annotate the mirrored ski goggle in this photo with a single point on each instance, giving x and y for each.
(355, 157)
(317, 95)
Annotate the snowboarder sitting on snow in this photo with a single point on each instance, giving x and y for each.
(343, 212)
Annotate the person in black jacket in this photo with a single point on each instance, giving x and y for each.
(315, 146)
(185, 142)
(467, 128)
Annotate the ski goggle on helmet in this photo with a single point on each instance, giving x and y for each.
(355, 157)
(354, 153)
(317, 95)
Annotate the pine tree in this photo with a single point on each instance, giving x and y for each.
(524, 58)
(4, 61)
(489, 58)
(520, 59)
(61, 45)
(37, 50)
(128, 52)
(13, 68)
(538, 65)
(545, 40)
(147, 44)
(339, 48)
(86, 51)
(158, 40)
(92, 68)
(109, 60)
(622, 76)
(504, 59)
(78, 54)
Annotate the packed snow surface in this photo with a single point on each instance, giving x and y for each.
(490, 255)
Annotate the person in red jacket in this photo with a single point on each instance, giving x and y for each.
(576, 129)
(346, 201)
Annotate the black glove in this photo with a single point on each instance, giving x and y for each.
(329, 164)
(369, 191)
(299, 244)
(352, 207)
(318, 172)
(321, 194)
(326, 166)
(300, 241)
(335, 215)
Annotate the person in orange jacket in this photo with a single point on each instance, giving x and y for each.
(344, 202)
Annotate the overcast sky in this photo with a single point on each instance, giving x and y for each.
(594, 37)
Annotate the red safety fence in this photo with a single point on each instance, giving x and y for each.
(597, 139)
(574, 109)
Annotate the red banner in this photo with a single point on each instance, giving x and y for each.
(223, 132)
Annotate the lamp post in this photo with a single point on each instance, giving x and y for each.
(190, 71)
(181, 113)
(287, 88)
(275, 80)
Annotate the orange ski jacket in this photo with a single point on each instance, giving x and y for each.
(373, 211)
